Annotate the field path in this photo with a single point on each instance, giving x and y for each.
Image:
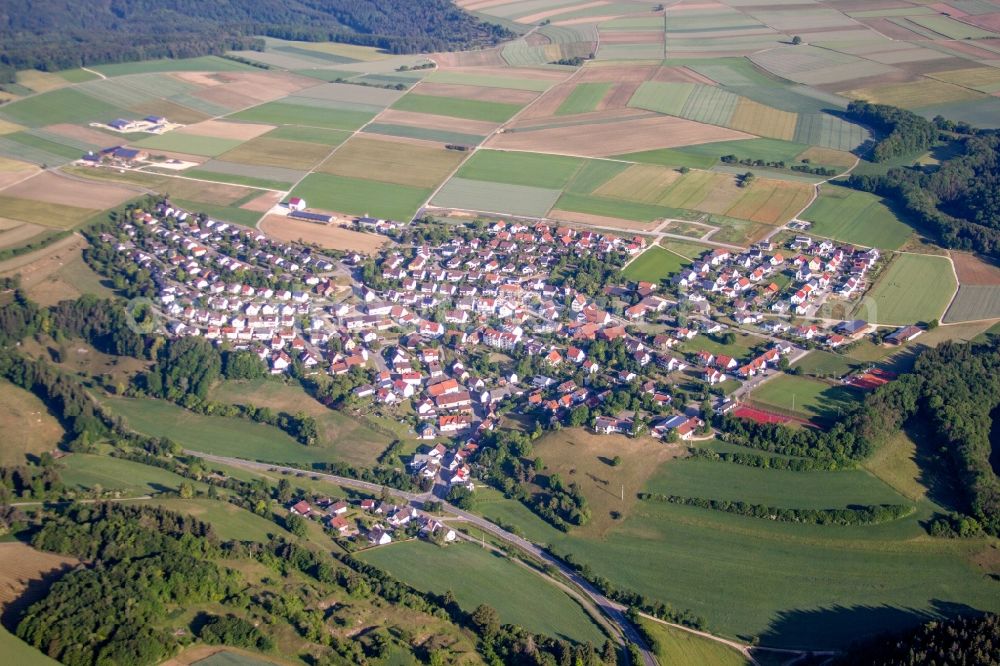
(739, 647)
(93, 71)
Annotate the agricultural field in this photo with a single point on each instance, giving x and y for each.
(584, 98)
(514, 168)
(680, 648)
(228, 520)
(59, 216)
(914, 288)
(476, 575)
(654, 265)
(284, 113)
(330, 236)
(404, 163)
(805, 397)
(353, 196)
(283, 153)
(456, 107)
(978, 294)
(207, 146)
(83, 471)
(856, 217)
(29, 428)
(486, 196)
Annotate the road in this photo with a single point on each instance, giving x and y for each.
(613, 610)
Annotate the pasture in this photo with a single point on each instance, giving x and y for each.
(229, 521)
(681, 648)
(654, 265)
(28, 426)
(82, 471)
(857, 217)
(354, 196)
(459, 108)
(913, 288)
(476, 575)
(400, 162)
(808, 398)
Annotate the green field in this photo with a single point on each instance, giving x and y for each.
(476, 576)
(46, 214)
(825, 364)
(585, 97)
(457, 108)
(516, 168)
(672, 157)
(312, 135)
(208, 146)
(654, 265)
(236, 179)
(218, 435)
(489, 81)
(488, 196)
(132, 479)
(64, 105)
(856, 217)
(281, 113)
(628, 210)
(411, 132)
(695, 477)
(199, 64)
(361, 197)
(18, 652)
(913, 288)
(680, 648)
(230, 521)
(593, 174)
(810, 398)
(235, 214)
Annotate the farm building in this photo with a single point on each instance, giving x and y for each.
(904, 334)
(123, 125)
(297, 203)
(320, 218)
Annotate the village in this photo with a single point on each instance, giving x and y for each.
(456, 338)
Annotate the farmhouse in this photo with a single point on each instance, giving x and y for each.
(904, 334)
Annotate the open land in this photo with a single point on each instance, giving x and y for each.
(913, 288)
(30, 429)
(329, 236)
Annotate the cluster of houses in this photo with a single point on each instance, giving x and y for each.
(378, 522)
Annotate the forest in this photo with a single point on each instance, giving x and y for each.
(964, 640)
(51, 35)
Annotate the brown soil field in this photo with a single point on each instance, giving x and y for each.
(51, 188)
(329, 236)
(588, 19)
(226, 97)
(479, 5)
(616, 138)
(985, 21)
(22, 572)
(484, 58)
(482, 93)
(541, 16)
(756, 118)
(546, 106)
(82, 134)
(891, 30)
(629, 37)
(263, 203)
(615, 73)
(972, 270)
(19, 232)
(28, 427)
(6, 224)
(226, 130)
(203, 79)
(680, 75)
(601, 220)
(618, 96)
(285, 153)
(430, 121)
(972, 50)
(13, 171)
(514, 72)
(392, 162)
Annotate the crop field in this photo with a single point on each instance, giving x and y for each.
(914, 94)
(856, 217)
(46, 214)
(207, 146)
(827, 157)
(282, 113)
(329, 236)
(352, 94)
(983, 79)
(584, 98)
(950, 28)
(21, 568)
(815, 66)
(516, 168)
(498, 80)
(458, 108)
(475, 576)
(51, 188)
(65, 105)
(913, 288)
(654, 265)
(216, 434)
(283, 153)
(275, 178)
(680, 648)
(755, 118)
(613, 208)
(483, 93)
(983, 113)
(593, 174)
(29, 428)
(640, 182)
(354, 196)
(810, 398)
(770, 201)
(974, 302)
(482, 195)
(199, 64)
(668, 98)
(822, 129)
(405, 163)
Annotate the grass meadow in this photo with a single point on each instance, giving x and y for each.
(82, 471)
(913, 288)
(29, 429)
(810, 398)
(654, 265)
(856, 217)
(516, 168)
(680, 648)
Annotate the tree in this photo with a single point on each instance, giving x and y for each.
(616, 461)
(796, 40)
(185, 490)
(295, 524)
(486, 620)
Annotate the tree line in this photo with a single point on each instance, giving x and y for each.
(868, 514)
